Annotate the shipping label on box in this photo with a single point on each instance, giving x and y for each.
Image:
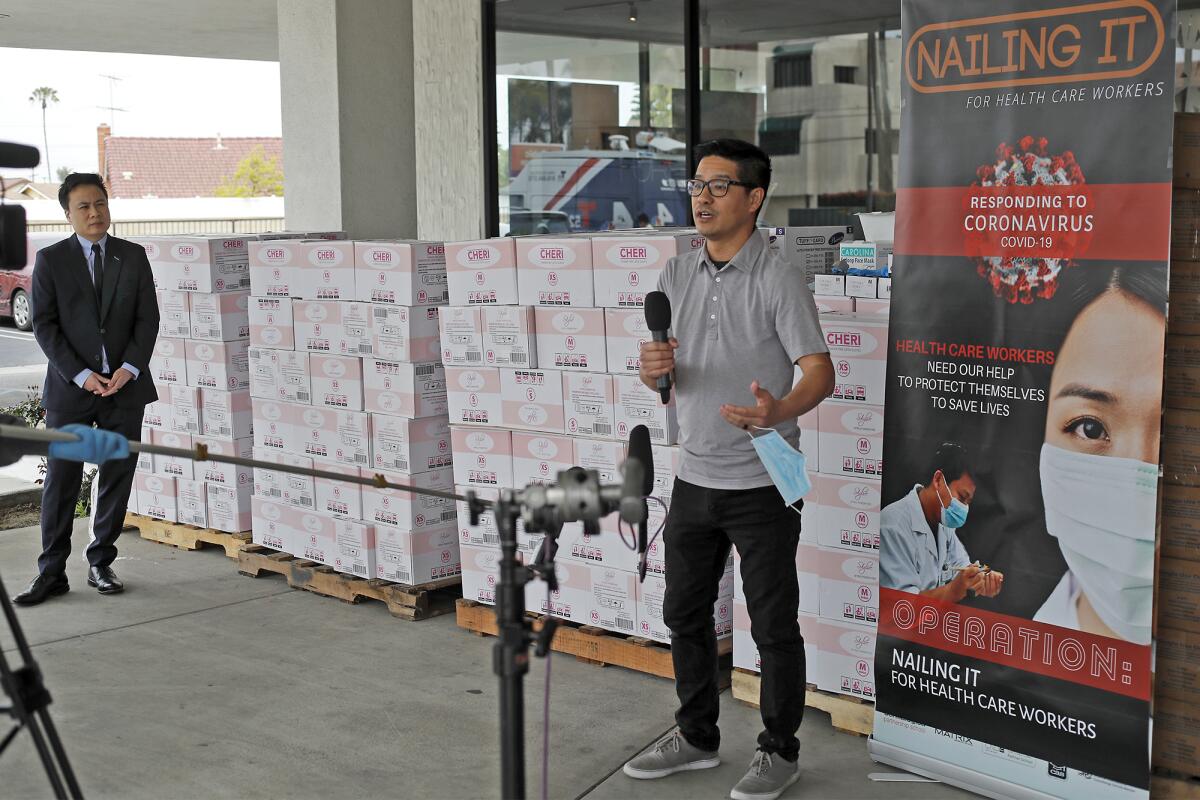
(205, 265)
(337, 382)
(290, 488)
(482, 272)
(858, 349)
(849, 586)
(473, 395)
(624, 333)
(271, 323)
(155, 496)
(191, 503)
(218, 365)
(187, 408)
(571, 339)
(555, 272)
(404, 390)
(401, 444)
(539, 457)
(851, 439)
(414, 557)
(532, 399)
(282, 375)
(275, 426)
(221, 317)
(508, 337)
(339, 498)
(169, 362)
(174, 315)
(406, 510)
(461, 335)
(847, 512)
(627, 267)
(482, 458)
(326, 269)
(480, 573)
(226, 415)
(174, 466)
(145, 461)
(403, 333)
(229, 508)
(589, 399)
(221, 473)
(340, 437)
(346, 545)
(400, 273)
(636, 404)
(845, 658)
(274, 269)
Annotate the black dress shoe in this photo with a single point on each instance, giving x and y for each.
(105, 580)
(43, 588)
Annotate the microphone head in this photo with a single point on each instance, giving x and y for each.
(18, 156)
(658, 311)
(639, 450)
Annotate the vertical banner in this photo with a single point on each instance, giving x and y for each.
(1025, 373)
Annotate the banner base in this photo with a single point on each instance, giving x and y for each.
(950, 773)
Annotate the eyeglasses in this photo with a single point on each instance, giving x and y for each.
(717, 187)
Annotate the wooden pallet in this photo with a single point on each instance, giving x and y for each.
(847, 713)
(186, 537)
(407, 602)
(591, 644)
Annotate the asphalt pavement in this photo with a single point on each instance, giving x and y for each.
(22, 364)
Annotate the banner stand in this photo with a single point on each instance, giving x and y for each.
(950, 774)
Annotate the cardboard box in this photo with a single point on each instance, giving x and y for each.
(473, 395)
(400, 272)
(604, 549)
(415, 557)
(745, 651)
(482, 458)
(1185, 277)
(589, 399)
(337, 382)
(187, 408)
(271, 323)
(155, 496)
(573, 600)
(650, 595)
(1185, 225)
(173, 466)
(274, 268)
(326, 326)
(666, 465)
(858, 348)
(849, 586)
(205, 265)
(158, 414)
(636, 404)
(1185, 166)
(1181, 447)
(482, 272)
(1180, 519)
(346, 545)
(403, 333)
(174, 314)
(836, 304)
(1177, 665)
(408, 511)
(810, 440)
(815, 248)
(229, 508)
(402, 444)
(405, 390)
(282, 375)
(850, 439)
(865, 255)
(218, 365)
(627, 267)
(1181, 383)
(624, 333)
(862, 286)
(461, 335)
(270, 525)
(532, 399)
(571, 339)
(145, 461)
(483, 534)
(555, 271)
(829, 285)
(326, 270)
(191, 503)
(872, 309)
(508, 337)
(329, 435)
(169, 362)
(539, 457)
(1178, 585)
(605, 458)
(480, 573)
(226, 415)
(276, 426)
(221, 317)
(845, 658)
(885, 286)
(847, 512)
(225, 474)
(293, 490)
(339, 498)
(1176, 736)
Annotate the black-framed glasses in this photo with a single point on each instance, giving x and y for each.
(717, 187)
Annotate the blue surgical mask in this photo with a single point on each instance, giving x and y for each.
(784, 463)
(954, 515)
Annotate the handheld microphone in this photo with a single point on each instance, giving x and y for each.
(658, 320)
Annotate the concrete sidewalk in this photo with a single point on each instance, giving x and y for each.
(201, 683)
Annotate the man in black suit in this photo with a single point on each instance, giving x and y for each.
(95, 316)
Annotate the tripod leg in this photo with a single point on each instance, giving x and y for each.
(48, 762)
(64, 763)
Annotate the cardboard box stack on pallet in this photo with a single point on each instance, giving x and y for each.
(344, 377)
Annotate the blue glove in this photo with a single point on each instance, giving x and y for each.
(94, 446)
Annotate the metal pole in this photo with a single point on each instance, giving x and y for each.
(510, 654)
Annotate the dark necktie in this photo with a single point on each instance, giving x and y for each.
(97, 269)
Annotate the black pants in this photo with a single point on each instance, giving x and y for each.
(701, 526)
(110, 491)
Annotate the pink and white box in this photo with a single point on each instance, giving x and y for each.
(473, 395)
(859, 352)
(346, 545)
(158, 414)
(571, 339)
(482, 272)
(627, 267)
(555, 272)
(174, 466)
(828, 304)
(624, 332)
(339, 498)
(191, 503)
(155, 496)
(187, 408)
(271, 323)
(275, 426)
(206, 265)
(285, 487)
(318, 325)
(221, 473)
(404, 390)
(340, 437)
(357, 331)
(271, 525)
(849, 586)
(403, 333)
(218, 365)
(636, 404)
(402, 444)
(227, 415)
(480, 573)
(174, 314)
(666, 466)
(484, 534)
(275, 268)
(482, 458)
(604, 457)
(326, 269)
(337, 382)
(412, 557)
(408, 511)
(145, 461)
(845, 658)
(873, 309)
(539, 457)
(532, 399)
(282, 375)
(809, 438)
(229, 508)
(745, 651)
(221, 317)
(588, 401)
(573, 600)
(460, 332)
(650, 594)
(508, 336)
(850, 439)
(604, 549)
(400, 273)
(847, 512)
(614, 599)
(169, 362)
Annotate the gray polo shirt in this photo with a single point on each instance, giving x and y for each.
(750, 321)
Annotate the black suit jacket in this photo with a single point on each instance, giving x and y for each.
(70, 325)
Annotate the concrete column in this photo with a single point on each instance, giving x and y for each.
(346, 75)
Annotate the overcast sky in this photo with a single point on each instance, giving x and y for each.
(162, 95)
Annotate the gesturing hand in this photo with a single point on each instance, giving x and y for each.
(764, 414)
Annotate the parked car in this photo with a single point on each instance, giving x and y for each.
(527, 223)
(15, 284)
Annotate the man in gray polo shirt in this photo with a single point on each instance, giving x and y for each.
(742, 318)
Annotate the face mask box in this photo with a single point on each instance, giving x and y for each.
(871, 310)
(627, 267)
(461, 335)
(650, 594)
(270, 525)
(847, 513)
(858, 349)
(508, 337)
(745, 651)
(339, 437)
(155, 496)
(400, 273)
(845, 658)
(555, 272)
(221, 317)
(482, 458)
(603, 549)
(861, 286)
(485, 533)
(635, 404)
(276, 426)
(532, 399)
(229, 508)
(539, 457)
(218, 365)
(174, 466)
(191, 503)
(480, 573)
(588, 401)
(401, 333)
(614, 599)
(157, 415)
(415, 557)
(346, 545)
(885, 285)
(334, 328)
(482, 272)
(271, 323)
(296, 491)
(850, 440)
(174, 315)
(169, 362)
(815, 248)
(274, 268)
(865, 255)
(326, 269)
(404, 390)
(573, 600)
(849, 586)
(408, 511)
(571, 339)
(473, 395)
(829, 285)
(337, 382)
(1182, 384)
(204, 265)
(666, 465)
(226, 415)
(809, 443)
(282, 375)
(604, 457)
(834, 304)
(624, 333)
(339, 498)
(224, 474)
(187, 408)
(656, 546)
(402, 444)
(145, 461)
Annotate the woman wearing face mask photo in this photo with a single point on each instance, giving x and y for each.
(1099, 458)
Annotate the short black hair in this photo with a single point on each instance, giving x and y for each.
(951, 458)
(76, 179)
(753, 165)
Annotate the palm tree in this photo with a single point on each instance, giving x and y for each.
(45, 95)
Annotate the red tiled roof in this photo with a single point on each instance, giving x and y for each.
(161, 167)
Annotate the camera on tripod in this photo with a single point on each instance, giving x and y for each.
(13, 229)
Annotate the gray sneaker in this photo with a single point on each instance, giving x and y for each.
(768, 777)
(670, 754)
